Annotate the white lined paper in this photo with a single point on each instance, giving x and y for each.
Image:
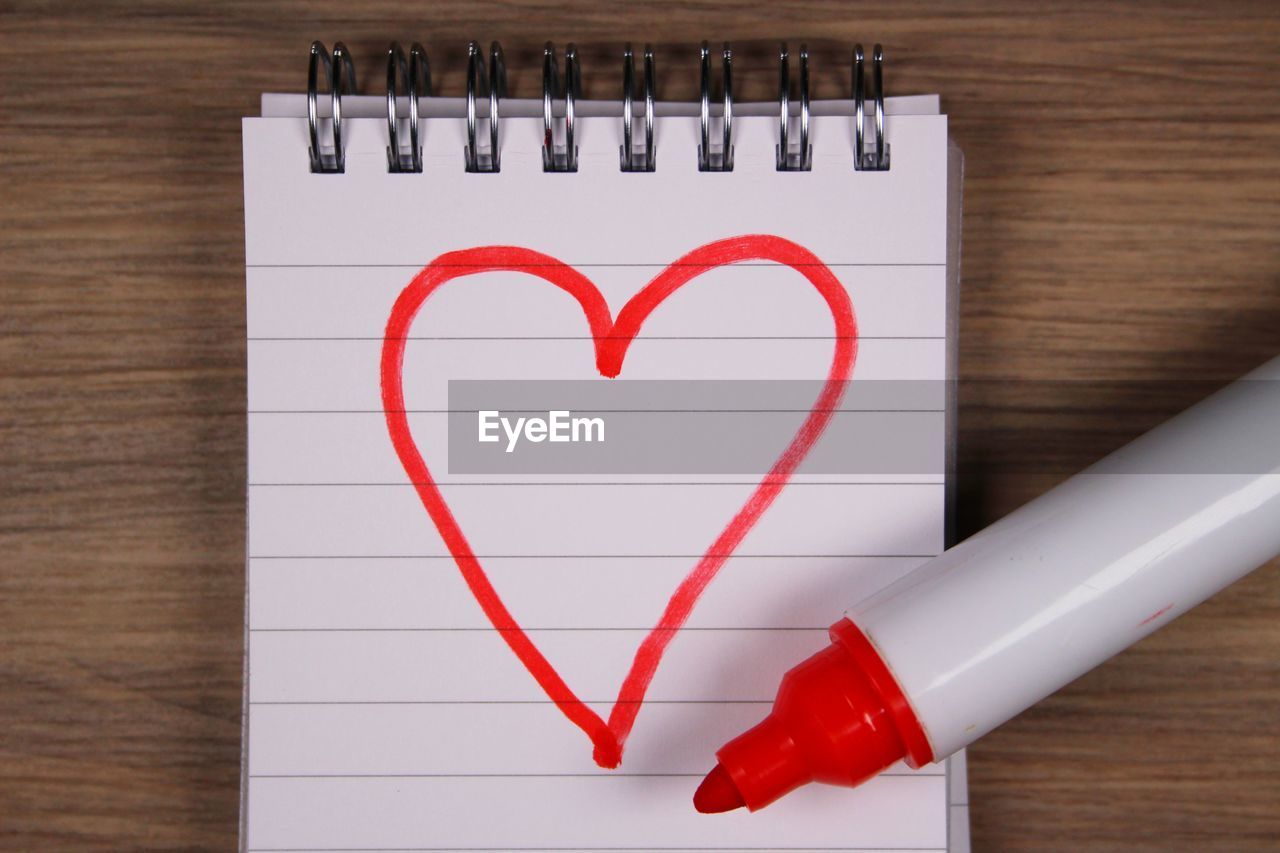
(374, 723)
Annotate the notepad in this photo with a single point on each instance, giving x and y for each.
(386, 707)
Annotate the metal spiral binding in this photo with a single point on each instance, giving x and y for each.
(876, 160)
(788, 160)
(719, 160)
(554, 157)
(417, 78)
(341, 73)
(414, 75)
(496, 82)
(631, 159)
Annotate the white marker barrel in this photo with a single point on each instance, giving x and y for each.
(1010, 615)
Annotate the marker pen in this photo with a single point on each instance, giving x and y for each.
(978, 634)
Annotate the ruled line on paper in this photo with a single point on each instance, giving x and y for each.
(611, 411)
(586, 483)
(467, 702)
(540, 702)
(633, 628)
(287, 338)
(340, 702)
(417, 266)
(877, 849)
(592, 556)
(610, 774)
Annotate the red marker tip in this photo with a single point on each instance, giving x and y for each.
(717, 793)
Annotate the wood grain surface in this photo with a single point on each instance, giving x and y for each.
(1122, 222)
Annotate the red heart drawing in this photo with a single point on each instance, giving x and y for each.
(612, 339)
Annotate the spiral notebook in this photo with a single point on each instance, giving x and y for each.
(571, 426)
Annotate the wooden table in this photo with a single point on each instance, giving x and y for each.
(1122, 222)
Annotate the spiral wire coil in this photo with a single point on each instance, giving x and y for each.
(645, 160)
(557, 158)
(496, 83)
(409, 81)
(719, 159)
(341, 74)
(417, 79)
(801, 159)
(877, 159)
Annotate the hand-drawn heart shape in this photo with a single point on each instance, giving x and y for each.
(612, 339)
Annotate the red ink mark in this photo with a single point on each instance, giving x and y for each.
(1154, 616)
(612, 339)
